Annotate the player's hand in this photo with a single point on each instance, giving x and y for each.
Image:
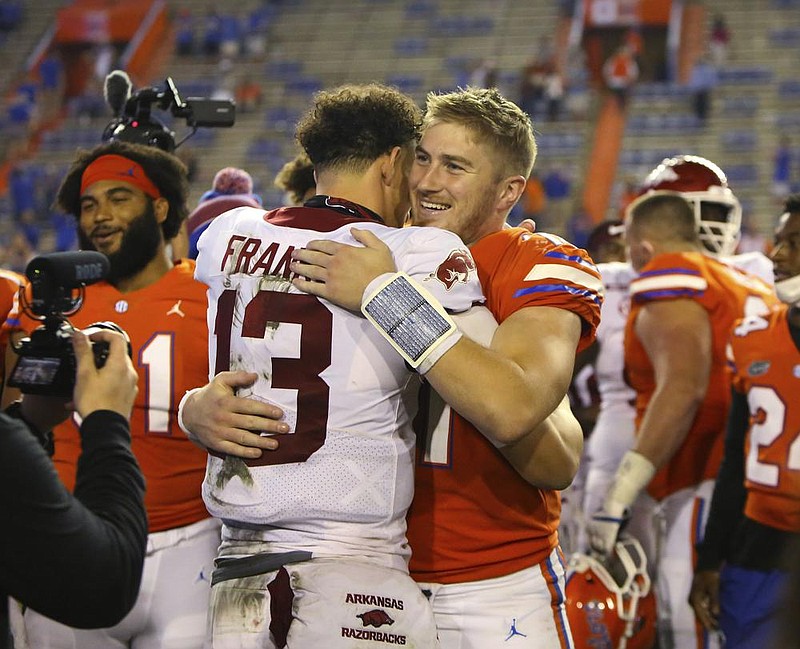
(221, 421)
(113, 386)
(603, 530)
(528, 224)
(704, 598)
(339, 272)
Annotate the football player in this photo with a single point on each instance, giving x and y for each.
(129, 200)
(683, 304)
(743, 559)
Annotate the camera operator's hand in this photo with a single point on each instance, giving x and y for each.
(113, 386)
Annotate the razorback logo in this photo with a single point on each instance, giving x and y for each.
(376, 617)
(456, 268)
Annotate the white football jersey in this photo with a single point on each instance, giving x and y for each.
(755, 263)
(342, 480)
(610, 363)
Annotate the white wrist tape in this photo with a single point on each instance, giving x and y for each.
(410, 318)
(180, 413)
(634, 473)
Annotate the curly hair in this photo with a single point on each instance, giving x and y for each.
(493, 119)
(296, 177)
(165, 170)
(351, 126)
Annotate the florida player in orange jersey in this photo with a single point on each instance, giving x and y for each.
(743, 561)
(128, 200)
(484, 541)
(683, 305)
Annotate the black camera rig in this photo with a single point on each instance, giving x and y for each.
(134, 121)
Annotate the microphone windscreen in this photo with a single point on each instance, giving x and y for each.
(68, 269)
(117, 90)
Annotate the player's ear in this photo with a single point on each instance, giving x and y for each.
(511, 189)
(161, 209)
(392, 166)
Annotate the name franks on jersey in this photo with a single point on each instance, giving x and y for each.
(252, 256)
(374, 600)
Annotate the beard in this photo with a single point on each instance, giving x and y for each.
(139, 246)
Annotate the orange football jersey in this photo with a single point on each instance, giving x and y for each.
(726, 293)
(473, 517)
(766, 368)
(166, 322)
(10, 283)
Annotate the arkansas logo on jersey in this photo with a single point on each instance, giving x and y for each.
(456, 268)
(376, 617)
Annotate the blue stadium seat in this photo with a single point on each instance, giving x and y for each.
(412, 46)
(739, 140)
(745, 75)
(741, 174)
(407, 83)
(789, 89)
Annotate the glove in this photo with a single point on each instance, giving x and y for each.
(604, 528)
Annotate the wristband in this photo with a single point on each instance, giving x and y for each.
(182, 426)
(411, 319)
(634, 473)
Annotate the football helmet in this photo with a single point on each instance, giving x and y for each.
(610, 603)
(717, 211)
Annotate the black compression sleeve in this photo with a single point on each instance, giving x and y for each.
(727, 504)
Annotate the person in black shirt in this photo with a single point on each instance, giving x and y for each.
(76, 558)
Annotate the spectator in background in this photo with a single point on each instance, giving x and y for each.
(230, 36)
(558, 189)
(484, 74)
(719, 40)
(248, 94)
(702, 82)
(10, 14)
(184, 33)
(212, 33)
(782, 169)
(51, 81)
(232, 187)
(553, 94)
(620, 72)
(296, 178)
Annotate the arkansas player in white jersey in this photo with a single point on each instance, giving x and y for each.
(614, 431)
(339, 486)
(342, 482)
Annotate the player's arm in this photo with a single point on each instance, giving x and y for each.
(727, 507)
(676, 336)
(549, 457)
(215, 418)
(506, 391)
